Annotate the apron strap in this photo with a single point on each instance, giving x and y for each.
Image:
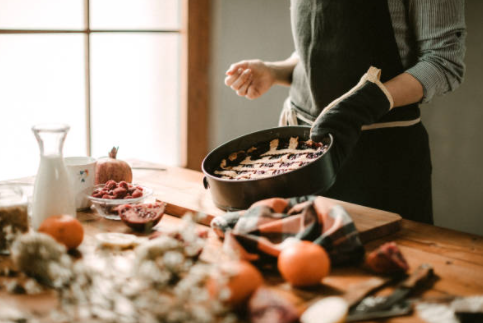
(288, 116)
(392, 124)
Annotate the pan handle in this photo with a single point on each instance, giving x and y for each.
(205, 183)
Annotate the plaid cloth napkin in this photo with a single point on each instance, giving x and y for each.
(261, 232)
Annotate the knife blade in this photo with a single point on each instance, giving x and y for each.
(336, 308)
(381, 304)
(402, 308)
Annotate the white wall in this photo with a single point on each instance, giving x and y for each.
(244, 29)
(455, 126)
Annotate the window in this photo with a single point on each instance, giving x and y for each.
(116, 71)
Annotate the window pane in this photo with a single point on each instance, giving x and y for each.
(135, 96)
(41, 80)
(45, 14)
(135, 14)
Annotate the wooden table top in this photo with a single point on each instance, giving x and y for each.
(457, 259)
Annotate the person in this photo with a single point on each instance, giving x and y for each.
(411, 51)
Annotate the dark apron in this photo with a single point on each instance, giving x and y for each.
(337, 41)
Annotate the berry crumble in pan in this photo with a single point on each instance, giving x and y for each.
(270, 158)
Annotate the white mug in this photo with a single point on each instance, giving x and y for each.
(82, 173)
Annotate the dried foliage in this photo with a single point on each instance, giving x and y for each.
(161, 281)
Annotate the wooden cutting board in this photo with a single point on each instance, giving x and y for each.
(183, 191)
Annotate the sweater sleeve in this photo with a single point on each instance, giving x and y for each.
(440, 33)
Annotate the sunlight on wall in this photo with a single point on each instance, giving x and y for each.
(134, 79)
(135, 14)
(41, 80)
(45, 14)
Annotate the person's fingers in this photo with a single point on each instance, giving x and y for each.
(252, 93)
(235, 67)
(230, 79)
(243, 90)
(241, 80)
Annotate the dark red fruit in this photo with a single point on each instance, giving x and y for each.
(137, 193)
(123, 184)
(110, 185)
(119, 192)
(97, 194)
(387, 259)
(141, 217)
(266, 305)
(122, 190)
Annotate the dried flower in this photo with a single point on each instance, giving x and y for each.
(161, 281)
(41, 257)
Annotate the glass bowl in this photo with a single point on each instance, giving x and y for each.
(107, 208)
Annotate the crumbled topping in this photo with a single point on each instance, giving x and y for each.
(270, 158)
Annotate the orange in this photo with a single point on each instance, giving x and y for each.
(243, 280)
(304, 264)
(65, 229)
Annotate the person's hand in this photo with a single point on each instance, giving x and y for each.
(251, 78)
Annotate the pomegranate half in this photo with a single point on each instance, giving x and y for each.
(141, 217)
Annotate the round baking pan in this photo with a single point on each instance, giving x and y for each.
(313, 178)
